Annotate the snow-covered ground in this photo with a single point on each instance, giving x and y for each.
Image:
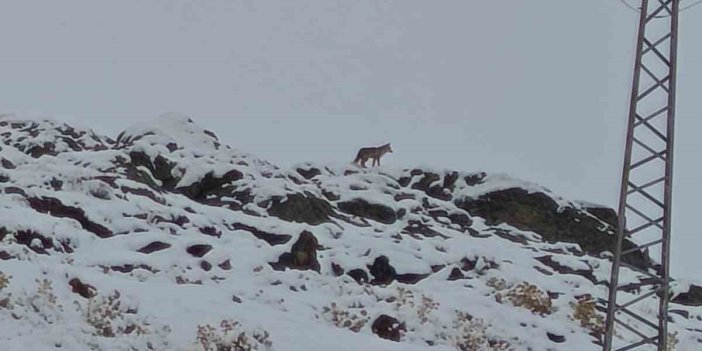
(165, 239)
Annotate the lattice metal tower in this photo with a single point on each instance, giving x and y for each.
(646, 189)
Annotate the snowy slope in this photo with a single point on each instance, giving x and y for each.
(151, 239)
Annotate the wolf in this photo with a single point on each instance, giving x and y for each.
(371, 152)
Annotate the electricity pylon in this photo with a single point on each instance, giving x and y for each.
(646, 188)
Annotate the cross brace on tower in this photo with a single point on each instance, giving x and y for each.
(646, 189)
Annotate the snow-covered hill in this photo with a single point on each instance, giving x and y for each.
(165, 239)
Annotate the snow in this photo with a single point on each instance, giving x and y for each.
(173, 293)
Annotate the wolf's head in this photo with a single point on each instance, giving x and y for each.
(387, 147)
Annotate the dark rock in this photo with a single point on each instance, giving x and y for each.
(211, 231)
(436, 213)
(309, 173)
(56, 184)
(548, 261)
(47, 148)
(683, 313)
(85, 290)
(226, 265)
(127, 268)
(199, 250)
(359, 275)
(410, 278)
(4, 256)
(605, 214)
(209, 184)
(461, 219)
(302, 209)
(437, 267)
(426, 181)
(15, 190)
(206, 266)
(400, 197)
(177, 220)
(302, 256)
(469, 265)
(7, 163)
(555, 337)
(510, 235)
(404, 181)
(401, 213)
(388, 327)
(55, 208)
(539, 213)
(153, 247)
(382, 271)
(693, 297)
(419, 228)
(362, 208)
(143, 192)
(338, 270)
(330, 196)
(456, 274)
(160, 168)
(475, 179)
(430, 185)
(273, 239)
(236, 299)
(450, 180)
(25, 237)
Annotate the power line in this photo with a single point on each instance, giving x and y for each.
(683, 8)
(687, 7)
(629, 6)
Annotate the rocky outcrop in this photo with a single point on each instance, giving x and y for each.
(363, 208)
(302, 208)
(302, 255)
(56, 208)
(693, 297)
(388, 327)
(538, 212)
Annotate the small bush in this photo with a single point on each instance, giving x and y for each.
(44, 302)
(672, 341)
(426, 307)
(471, 335)
(4, 281)
(584, 311)
(109, 317)
(345, 319)
(528, 296)
(4, 298)
(498, 284)
(230, 337)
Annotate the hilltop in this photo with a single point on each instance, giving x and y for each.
(164, 238)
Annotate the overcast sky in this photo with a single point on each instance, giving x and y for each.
(538, 89)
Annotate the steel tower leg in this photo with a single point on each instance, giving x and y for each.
(646, 188)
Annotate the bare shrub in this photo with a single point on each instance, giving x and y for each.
(471, 335)
(344, 318)
(109, 318)
(230, 337)
(498, 284)
(4, 298)
(4, 280)
(584, 311)
(44, 302)
(672, 341)
(527, 296)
